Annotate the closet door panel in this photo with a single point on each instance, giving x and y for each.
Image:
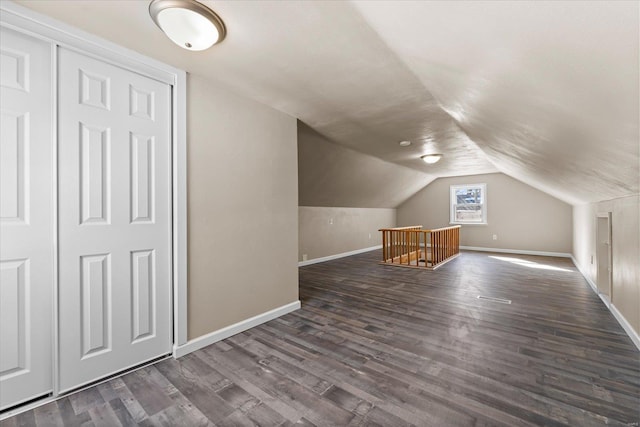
(26, 218)
(115, 235)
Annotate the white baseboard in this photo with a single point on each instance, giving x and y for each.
(635, 337)
(585, 275)
(336, 256)
(625, 325)
(516, 251)
(220, 334)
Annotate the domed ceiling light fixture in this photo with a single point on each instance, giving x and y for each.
(188, 23)
(431, 158)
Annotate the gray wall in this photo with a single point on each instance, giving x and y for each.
(522, 217)
(242, 208)
(625, 241)
(325, 231)
(331, 175)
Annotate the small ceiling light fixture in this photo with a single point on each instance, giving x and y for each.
(404, 143)
(188, 23)
(431, 158)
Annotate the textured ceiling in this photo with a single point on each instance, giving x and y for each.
(546, 92)
(335, 176)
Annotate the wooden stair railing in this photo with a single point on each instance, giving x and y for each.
(414, 247)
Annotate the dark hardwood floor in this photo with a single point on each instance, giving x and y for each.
(382, 345)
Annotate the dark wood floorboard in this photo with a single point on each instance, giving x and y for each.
(377, 345)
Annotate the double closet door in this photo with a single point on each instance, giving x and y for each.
(85, 244)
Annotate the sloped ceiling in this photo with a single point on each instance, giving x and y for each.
(546, 92)
(335, 176)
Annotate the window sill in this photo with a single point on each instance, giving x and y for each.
(468, 223)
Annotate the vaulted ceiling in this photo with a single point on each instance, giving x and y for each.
(546, 92)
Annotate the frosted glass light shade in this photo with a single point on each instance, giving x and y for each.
(431, 158)
(189, 24)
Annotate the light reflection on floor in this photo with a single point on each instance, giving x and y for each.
(530, 264)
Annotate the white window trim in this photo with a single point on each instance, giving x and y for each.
(46, 28)
(452, 190)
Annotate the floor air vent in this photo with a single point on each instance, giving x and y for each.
(492, 299)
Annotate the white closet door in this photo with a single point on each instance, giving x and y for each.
(114, 221)
(26, 218)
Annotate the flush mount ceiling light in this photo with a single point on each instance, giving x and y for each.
(431, 158)
(189, 24)
(404, 143)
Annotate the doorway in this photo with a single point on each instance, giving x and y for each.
(603, 254)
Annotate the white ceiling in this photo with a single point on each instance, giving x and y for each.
(546, 92)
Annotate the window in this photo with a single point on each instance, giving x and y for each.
(468, 204)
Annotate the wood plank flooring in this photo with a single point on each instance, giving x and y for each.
(387, 346)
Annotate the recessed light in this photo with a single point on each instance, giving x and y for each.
(405, 143)
(431, 158)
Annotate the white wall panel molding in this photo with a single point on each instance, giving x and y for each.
(14, 293)
(95, 304)
(14, 166)
(143, 295)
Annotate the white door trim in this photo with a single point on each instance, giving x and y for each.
(61, 34)
(608, 217)
(179, 204)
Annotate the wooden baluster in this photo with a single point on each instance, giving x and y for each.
(416, 247)
(432, 248)
(444, 244)
(388, 247)
(448, 254)
(388, 233)
(406, 245)
(393, 245)
(455, 245)
(445, 234)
